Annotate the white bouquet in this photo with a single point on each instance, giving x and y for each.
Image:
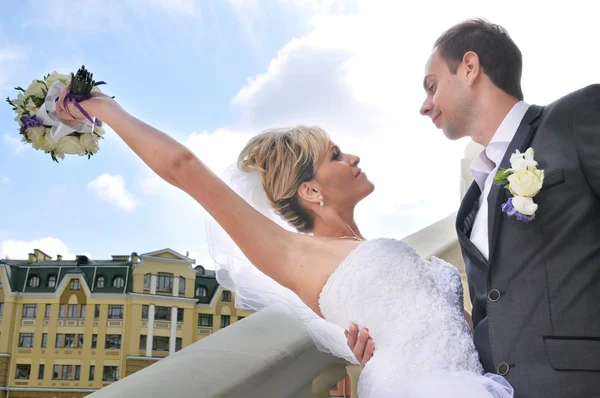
(36, 115)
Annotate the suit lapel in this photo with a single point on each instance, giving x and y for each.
(521, 141)
(464, 225)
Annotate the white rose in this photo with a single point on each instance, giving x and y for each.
(90, 142)
(36, 136)
(36, 89)
(524, 205)
(55, 76)
(98, 130)
(523, 161)
(48, 144)
(526, 183)
(70, 145)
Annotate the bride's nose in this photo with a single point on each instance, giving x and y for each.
(354, 160)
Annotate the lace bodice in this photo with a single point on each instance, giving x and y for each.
(413, 310)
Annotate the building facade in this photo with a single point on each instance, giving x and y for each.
(68, 328)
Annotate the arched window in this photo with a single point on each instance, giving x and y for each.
(51, 281)
(118, 282)
(34, 281)
(100, 281)
(201, 291)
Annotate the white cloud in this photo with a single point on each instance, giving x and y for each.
(19, 249)
(359, 76)
(112, 189)
(4, 179)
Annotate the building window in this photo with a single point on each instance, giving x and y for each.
(205, 320)
(92, 371)
(143, 341)
(80, 340)
(162, 313)
(23, 371)
(164, 282)
(62, 311)
(66, 372)
(147, 282)
(52, 281)
(34, 281)
(69, 340)
(115, 311)
(177, 344)
(44, 340)
(82, 313)
(100, 281)
(48, 309)
(118, 282)
(145, 311)
(226, 296)
(29, 310)
(179, 314)
(41, 372)
(59, 341)
(94, 341)
(113, 342)
(160, 343)
(201, 291)
(225, 320)
(181, 285)
(97, 311)
(1, 310)
(111, 373)
(75, 284)
(26, 340)
(72, 313)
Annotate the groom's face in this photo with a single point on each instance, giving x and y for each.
(447, 98)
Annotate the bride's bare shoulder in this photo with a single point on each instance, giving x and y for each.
(313, 260)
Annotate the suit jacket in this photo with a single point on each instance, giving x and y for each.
(536, 301)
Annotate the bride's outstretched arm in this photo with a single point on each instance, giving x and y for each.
(287, 257)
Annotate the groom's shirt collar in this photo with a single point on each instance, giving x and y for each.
(492, 156)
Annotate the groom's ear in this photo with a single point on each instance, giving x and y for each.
(310, 192)
(472, 67)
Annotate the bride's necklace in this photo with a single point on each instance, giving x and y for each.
(355, 237)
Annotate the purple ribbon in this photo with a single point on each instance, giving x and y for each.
(74, 98)
(30, 122)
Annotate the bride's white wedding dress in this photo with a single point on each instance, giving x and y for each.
(414, 312)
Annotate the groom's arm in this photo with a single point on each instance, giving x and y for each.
(586, 126)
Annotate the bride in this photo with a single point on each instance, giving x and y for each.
(322, 266)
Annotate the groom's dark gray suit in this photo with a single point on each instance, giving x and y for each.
(536, 300)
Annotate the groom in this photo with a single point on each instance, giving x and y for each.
(534, 286)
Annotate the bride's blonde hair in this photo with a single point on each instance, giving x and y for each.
(286, 158)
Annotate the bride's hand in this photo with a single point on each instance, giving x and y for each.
(71, 115)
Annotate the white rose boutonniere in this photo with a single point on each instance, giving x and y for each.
(524, 180)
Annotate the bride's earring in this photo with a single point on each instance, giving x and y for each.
(321, 203)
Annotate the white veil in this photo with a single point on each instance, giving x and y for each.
(253, 289)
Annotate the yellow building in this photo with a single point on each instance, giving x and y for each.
(68, 328)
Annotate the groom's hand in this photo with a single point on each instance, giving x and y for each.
(360, 343)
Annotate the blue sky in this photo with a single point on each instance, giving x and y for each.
(212, 73)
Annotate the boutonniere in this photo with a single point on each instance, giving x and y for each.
(524, 180)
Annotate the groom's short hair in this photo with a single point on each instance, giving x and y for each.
(499, 56)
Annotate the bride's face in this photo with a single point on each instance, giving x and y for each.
(342, 182)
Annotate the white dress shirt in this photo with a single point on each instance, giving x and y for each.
(484, 168)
